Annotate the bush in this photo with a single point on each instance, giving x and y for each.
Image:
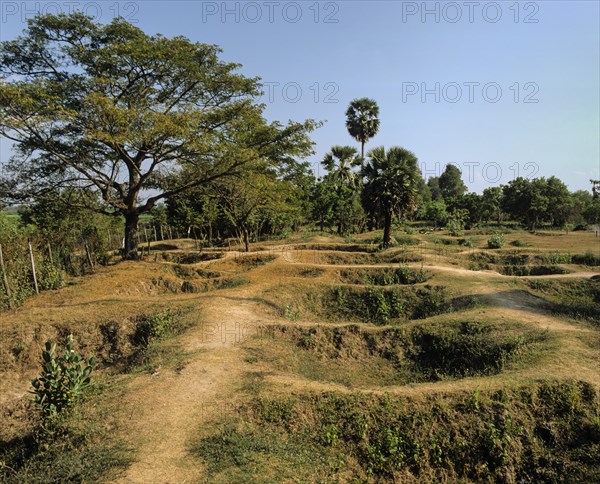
(455, 227)
(63, 379)
(153, 327)
(496, 241)
(50, 277)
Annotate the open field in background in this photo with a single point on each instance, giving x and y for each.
(321, 358)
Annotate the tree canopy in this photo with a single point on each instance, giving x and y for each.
(135, 117)
(362, 121)
(450, 183)
(391, 184)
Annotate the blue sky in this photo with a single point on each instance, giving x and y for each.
(498, 88)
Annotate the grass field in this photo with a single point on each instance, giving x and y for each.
(319, 358)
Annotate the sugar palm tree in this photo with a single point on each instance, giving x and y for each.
(391, 185)
(362, 121)
(340, 163)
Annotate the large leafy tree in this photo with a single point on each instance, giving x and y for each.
(451, 184)
(362, 121)
(110, 108)
(391, 185)
(491, 204)
(537, 201)
(433, 183)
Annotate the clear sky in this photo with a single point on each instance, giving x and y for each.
(499, 88)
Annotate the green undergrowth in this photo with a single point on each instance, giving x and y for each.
(85, 449)
(354, 357)
(187, 272)
(311, 272)
(575, 298)
(390, 305)
(515, 259)
(205, 285)
(191, 257)
(516, 270)
(391, 256)
(541, 432)
(368, 248)
(384, 276)
(248, 262)
(153, 344)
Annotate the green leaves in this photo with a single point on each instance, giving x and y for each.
(391, 185)
(63, 379)
(116, 110)
(362, 120)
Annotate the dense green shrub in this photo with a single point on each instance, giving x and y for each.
(496, 241)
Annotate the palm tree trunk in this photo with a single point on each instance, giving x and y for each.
(387, 229)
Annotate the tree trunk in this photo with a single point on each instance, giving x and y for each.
(387, 230)
(362, 151)
(131, 228)
(246, 239)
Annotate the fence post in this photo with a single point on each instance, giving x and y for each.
(35, 283)
(5, 279)
(50, 254)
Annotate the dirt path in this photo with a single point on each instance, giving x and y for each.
(168, 408)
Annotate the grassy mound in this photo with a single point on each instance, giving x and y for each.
(191, 257)
(383, 277)
(353, 356)
(543, 432)
(390, 305)
(249, 262)
(578, 299)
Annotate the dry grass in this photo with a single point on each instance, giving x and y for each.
(205, 365)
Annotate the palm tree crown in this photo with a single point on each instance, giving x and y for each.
(362, 120)
(391, 184)
(339, 163)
